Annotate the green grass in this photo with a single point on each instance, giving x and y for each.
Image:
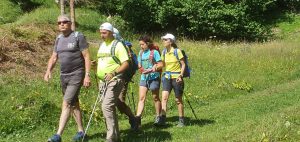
(9, 11)
(227, 112)
(240, 91)
(289, 30)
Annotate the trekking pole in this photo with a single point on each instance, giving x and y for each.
(127, 94)
(99, 99)
(191, 107)
(132, 97)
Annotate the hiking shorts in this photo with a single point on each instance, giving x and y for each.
(169, 84)
(71, 85)
(151, 84)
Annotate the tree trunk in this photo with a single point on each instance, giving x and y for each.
(72, 11)
(62, 7)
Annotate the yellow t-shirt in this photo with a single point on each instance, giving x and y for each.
(106, 64)
(171, 62)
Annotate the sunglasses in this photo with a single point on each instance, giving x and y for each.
(165, 39)
(64, 22)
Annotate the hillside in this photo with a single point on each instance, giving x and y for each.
(241, 91)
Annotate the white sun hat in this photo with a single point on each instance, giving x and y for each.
(107, 26)
(169, 36)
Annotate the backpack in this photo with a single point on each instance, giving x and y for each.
(151, 56)
(187, 70)
(133, 62)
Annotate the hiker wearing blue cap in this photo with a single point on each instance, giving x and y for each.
(71, 49)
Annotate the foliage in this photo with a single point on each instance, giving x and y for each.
(214, 18)
(289, 5)
(234, 88)
(9, 11)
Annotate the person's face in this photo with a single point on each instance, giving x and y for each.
(64, 25)
(143, 45)
(105, 34)
(167, 42)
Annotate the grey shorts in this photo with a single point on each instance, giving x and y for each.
(151, 84)
(169, 84)
(71, 85)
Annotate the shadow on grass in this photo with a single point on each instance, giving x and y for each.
(191, 121)
(146, 135)
(150, 133)
(98, 136)
(153, 135)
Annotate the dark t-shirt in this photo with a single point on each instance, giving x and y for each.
(69, 52)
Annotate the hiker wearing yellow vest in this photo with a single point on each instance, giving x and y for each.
(110, 74)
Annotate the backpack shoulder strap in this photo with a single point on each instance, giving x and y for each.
(76, 34)
(59, 36)
(176, 53)
(141, 54)
(151, 56)
(113, 50)
(57, 39)
(164, 53)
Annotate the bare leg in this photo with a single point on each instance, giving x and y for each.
(180, 106)
(64, 117)
(157, 102)
(142, 97)
(164, 102)
(77, 116)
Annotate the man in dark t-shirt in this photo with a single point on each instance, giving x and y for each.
(71, 49)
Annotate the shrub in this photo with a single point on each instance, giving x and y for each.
(9, 11)
(202, 19)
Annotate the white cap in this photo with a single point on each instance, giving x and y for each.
(169, 36)
(117, 34)
(106, 26)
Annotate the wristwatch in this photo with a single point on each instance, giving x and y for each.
(87, 74)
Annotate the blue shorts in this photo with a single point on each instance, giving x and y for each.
(169, 84)
(151, 84)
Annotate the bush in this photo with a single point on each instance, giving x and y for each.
(9, 11)
(202, 19)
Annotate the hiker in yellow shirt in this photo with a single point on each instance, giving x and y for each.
(110, 71)
(172, 76)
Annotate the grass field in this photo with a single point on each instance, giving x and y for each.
(240, 91)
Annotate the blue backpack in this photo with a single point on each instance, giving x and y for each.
(187, 70)
(133, 62)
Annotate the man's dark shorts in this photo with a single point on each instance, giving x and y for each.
(151, 84)
(71, 85)
(169, 84)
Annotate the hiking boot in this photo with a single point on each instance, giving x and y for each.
(157, 121)
(180, 123)
(138, 121)
(78, 137)
(163, 120)
(133, 123)
(55, 138)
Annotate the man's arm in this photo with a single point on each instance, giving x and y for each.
(124, 66)
(87, 61)
(50, 66)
